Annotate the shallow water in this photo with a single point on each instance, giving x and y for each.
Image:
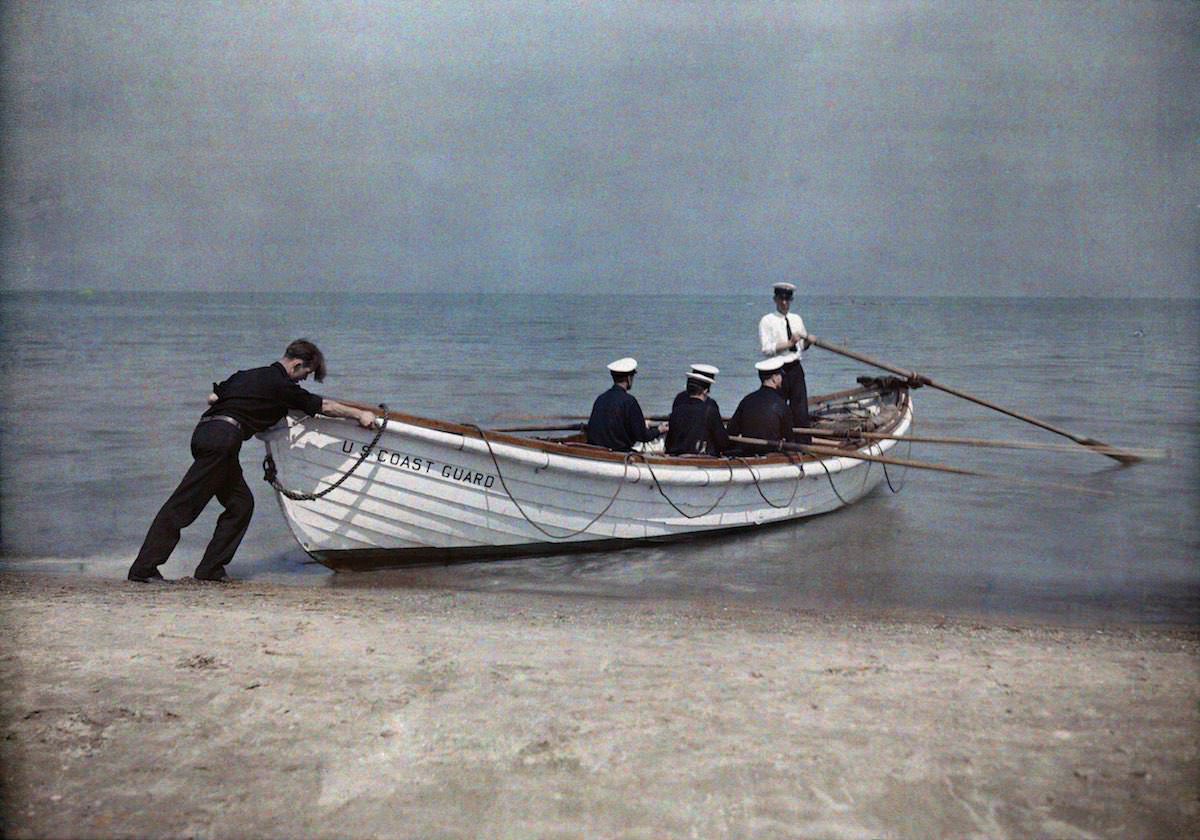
(100, 392)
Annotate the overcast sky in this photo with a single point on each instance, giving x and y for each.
(896, 148)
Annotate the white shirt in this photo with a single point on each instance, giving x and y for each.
(772, 331)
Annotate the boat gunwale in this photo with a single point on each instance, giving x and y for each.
(586, 451)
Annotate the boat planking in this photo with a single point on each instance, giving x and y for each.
(431, 491)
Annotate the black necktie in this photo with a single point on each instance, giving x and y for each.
(787, 322)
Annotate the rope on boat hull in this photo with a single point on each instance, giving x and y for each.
(270, 474)
(521, 510)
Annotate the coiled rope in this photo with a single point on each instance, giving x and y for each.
(795, 486)
(858, 424)
(833, 486)
(504, 484)
(904, 474)
(270, 474)
(894, 488)
(671, 502)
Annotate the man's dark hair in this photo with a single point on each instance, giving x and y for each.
(310, 354)
(694, 387)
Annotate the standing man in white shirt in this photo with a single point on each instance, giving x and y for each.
(781, 334)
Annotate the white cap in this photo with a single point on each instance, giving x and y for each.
(623, 366)
(771, 365)
(697, 376)
(784, 287)
(710, 371)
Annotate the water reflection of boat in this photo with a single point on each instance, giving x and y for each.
(431, 490)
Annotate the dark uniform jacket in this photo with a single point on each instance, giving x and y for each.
(617, 421)
(258, 398)
(695, 428)
(761, 414)
(683, 395)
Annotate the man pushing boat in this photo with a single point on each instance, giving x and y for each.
(249, 402)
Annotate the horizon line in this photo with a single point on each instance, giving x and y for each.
(88, 292)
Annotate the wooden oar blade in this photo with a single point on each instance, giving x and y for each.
(1123, 456)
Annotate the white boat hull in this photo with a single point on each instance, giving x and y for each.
(427, 494)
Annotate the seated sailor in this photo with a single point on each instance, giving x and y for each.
(617, 421)
(763, 413)
(695, 426)
(710, 371)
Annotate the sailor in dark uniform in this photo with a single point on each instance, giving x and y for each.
(617, 421)
(246, 403)
(695, 426)
(763, 413)
(710, 371)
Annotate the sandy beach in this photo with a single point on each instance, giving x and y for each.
(261, 710)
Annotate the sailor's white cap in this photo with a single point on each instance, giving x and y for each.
(710, 371)
(623, 366)
(784, 287)
(696, 376)
(771, 365)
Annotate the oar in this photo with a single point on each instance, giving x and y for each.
(1100, 447)
(830, 452)
(574, 427)
(576, 417)
(1145, 454)
(522, 418)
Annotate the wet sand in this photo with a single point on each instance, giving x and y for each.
(261, 710)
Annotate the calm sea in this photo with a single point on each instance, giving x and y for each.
(101, 391)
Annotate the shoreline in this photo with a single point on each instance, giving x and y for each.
(260, 709)
(311, 575)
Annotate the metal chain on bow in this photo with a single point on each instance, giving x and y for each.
(270, 473)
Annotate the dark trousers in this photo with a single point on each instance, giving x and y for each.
(795, 391)
(214, 472)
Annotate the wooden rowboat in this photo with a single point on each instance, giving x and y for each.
(439, 491)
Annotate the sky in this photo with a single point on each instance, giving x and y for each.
(899, 148)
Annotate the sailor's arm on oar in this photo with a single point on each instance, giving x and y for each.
(915, 378)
